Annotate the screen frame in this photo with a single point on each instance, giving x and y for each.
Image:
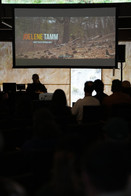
(65, 6)
(88, 4)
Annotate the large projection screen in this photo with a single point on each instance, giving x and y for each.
(65, 37)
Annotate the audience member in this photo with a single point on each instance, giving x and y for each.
(117, 129)
(36, 86)
(4, 104)
(126, 84)
(40, 147)
(45, 131)
(23, 106)
(117, 96)
(99, 88)
(88, 99)
(106, 169)
(65, 180)
(60, 109)
(126, 87)
(10, 187)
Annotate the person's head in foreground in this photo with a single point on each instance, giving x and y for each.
(105, 169)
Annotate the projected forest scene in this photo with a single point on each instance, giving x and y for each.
(65, 37)
(63, 1)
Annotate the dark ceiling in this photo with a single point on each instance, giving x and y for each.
(124, 22)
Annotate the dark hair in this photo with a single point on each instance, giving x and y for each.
(107, 166)
(59, 98)
(89, 87)
(98, 85)
(36, 76)
(116, 85)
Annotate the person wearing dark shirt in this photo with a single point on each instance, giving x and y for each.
(60, 108)
(99, 88)
(126, 87)
(106, 169)
(36, 86)
(117, 96)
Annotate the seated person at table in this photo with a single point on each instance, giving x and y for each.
(36, 86)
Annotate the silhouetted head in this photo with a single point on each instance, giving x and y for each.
(59, 98)
(35, 78)
(126, 84)
(116, 85)
(89, 87)
(98, 85)
(126, 87)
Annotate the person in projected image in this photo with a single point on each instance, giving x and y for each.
(36, 86)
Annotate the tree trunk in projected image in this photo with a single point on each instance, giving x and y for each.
(66, 30)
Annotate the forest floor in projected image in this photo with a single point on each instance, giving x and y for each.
(97, 47)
